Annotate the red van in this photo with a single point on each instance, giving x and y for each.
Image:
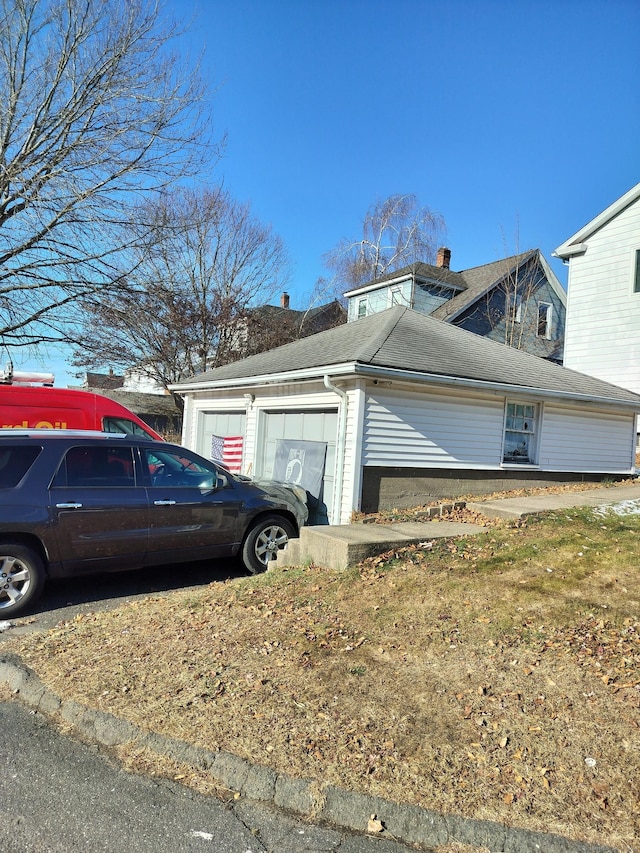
(45, 407)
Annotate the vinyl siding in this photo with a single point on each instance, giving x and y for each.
(381, 299)
(586, 441)
(432, 430)
(603, 314)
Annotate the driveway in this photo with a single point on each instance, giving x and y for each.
(65, 599)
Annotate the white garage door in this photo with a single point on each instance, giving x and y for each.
(316, 426)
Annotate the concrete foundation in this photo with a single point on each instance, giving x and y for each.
(386, 488)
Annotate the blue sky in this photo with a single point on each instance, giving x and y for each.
(517, 121)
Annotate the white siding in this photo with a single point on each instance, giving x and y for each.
(603, 312)
(586, 441)
(432, 430)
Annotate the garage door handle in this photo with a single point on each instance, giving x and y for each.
(164, 503)
(69, 506)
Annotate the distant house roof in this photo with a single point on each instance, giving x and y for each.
(161, 405)
(472, 283)
(311, 319)
(575, 245)
(479, 280)
(419, 347)
(97, 381)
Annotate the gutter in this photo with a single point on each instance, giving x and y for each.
(570, 251)
(351, 369)
(336, 510)
(504, 387)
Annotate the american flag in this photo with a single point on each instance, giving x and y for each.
(228, 451)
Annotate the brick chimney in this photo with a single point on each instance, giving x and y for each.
(444, 257)
(284, 300)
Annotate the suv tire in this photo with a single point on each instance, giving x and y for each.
(263, 541)
(22, 577)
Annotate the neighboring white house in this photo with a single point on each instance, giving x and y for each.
(603, 312)
(398, 408)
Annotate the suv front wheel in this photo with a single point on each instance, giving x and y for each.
(264, 540)
(21, 577)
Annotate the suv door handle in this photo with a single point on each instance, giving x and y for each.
(164, 503)
(69, 506)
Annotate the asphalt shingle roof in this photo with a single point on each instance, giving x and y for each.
(406, 340)
(472, 283)
(479, 280)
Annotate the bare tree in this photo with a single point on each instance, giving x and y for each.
(396, 232)
(202, 263)
(94, 112)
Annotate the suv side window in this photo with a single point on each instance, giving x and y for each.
(100, 465)
(15, 462)
(169, 469)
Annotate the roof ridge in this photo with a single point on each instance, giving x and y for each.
(374, 344)
(517, 257)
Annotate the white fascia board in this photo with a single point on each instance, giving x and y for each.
(353, 369)
(575, 245)
(382, 282)
(501, 387)
(308, 374)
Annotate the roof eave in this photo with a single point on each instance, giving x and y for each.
(566, 251)
(375, 371)
(503, 387)
(575, 245)
(376, 285)
(345, 368)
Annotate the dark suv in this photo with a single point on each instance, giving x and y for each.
(74, 503)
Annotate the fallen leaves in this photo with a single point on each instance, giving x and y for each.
(374, 825)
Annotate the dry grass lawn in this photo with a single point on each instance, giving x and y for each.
(496, 677)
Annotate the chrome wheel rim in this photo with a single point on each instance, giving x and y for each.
(15, 580)
(269, 541)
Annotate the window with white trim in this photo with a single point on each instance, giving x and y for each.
(636, 273)
(395, 296)
(520, 433)
(362, 307)
(544, 320)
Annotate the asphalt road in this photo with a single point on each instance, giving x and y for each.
(61, 796)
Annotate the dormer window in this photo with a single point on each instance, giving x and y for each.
(395, 296)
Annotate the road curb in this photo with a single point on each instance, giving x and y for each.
(309, 799)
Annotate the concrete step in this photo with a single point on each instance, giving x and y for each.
(341, 546)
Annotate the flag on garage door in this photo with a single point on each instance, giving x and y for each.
(227, 450)
(300, 462)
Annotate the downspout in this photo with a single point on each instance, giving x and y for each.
(336, 511)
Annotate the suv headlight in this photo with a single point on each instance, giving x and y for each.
(299, 492)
